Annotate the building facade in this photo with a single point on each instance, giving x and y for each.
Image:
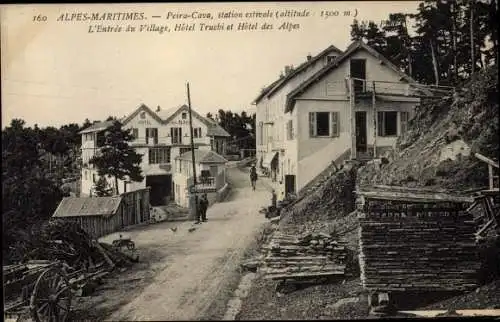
(354, 107)
(159, 136)
(210, 175)
(271, 121)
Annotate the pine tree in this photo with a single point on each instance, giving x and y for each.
(116, 158)
(102, 188)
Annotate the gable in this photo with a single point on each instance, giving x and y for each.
(334, 85)
(378, 68)
(279, 83)
(142, 116)
(177, 117)
(181, 118)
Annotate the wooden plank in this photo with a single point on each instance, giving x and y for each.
(414, 197)
(303, 275)
(485, 227)
(487, 160)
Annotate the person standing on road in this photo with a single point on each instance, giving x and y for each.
(253, 176)
(203, 207)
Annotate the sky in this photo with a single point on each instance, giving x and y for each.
(57, 72)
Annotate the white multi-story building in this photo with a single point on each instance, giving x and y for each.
(160, 136)
(351, 106)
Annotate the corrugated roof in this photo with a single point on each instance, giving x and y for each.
(203, 156)
(87, 206)
(99, 126)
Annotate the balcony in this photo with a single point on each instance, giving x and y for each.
(205, 185)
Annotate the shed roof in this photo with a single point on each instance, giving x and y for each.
(87, 206)
(203, 156)
(96, 127)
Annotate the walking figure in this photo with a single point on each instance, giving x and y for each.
(203, 207)
(253, 176)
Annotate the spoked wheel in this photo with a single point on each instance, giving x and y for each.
(131, 246)
(51, 298)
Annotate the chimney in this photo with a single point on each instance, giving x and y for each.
(309, 57)
(288, 69)
(158, 108)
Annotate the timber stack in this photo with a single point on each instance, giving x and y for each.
(417, 243)
(308, 256)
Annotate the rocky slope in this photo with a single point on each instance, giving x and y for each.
(437, 151)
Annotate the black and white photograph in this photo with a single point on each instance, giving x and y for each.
(315, 160)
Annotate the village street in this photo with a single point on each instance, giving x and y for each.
(190, 268)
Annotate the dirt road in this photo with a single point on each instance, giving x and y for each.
(191, 268)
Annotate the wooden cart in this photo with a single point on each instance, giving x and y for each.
(41, 289)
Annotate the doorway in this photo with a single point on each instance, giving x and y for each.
(361, 135)
(160, 189)
(358, 70)
(289, 184)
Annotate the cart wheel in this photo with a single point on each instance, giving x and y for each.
(131, 246)
(51, 298)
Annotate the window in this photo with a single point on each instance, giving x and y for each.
(142, 115)
(152, 135)
(159, 155)
(85, 174)
(289, 130)
(184, 115)
(404, 116)
(387, 123)
(260, 133)
(329, 59)
(94, 178)
(176, 134)
(197, 132)
(135, 133)
(184, 150)
(324, 124)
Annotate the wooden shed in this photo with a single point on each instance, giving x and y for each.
(100, 216)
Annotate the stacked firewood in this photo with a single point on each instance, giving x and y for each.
(310, 255)
(85, 260)
(427, 247)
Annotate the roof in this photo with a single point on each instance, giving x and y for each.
(165, 116)
(96, 127)
(202, 156)
(142, 108)
(355, 46)
(215, 129)
(273, 87)
(87, 206)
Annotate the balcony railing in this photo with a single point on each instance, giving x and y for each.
(205, 184)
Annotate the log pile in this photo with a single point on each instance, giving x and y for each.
(67, 242)
(417, 246)
(309, 256)
(85, 261)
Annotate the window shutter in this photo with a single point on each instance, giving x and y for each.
(404, 121)
(312, 124)
(380, 123)
(335, 126)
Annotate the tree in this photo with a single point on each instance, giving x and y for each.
(116, 158)
(102, 188)
(28, 194)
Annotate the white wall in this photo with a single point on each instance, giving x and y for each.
(331, 94)
(273, 109)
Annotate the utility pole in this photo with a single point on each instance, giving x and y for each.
(472, 36)
(192, 154)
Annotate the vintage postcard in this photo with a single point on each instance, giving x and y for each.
(250, 160)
